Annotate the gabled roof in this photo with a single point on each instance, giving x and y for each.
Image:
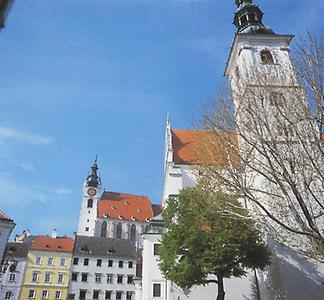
(199, 147)
(3, 216)
(46, 243)
(125, 206)
(104, 247)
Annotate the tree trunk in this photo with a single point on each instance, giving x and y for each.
(221, 292)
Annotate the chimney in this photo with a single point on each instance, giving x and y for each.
(54, 234)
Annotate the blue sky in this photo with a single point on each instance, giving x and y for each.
(86, 77)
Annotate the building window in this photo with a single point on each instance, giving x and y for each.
(266, 57)
(47, 277)
(58, 295)
(84, 277)
(156, 290)
(119, 278)
(120, 263)
(71, 296)
(90, 203)
(63, 261)
(9, 294)
(86, 262)
(110, 263)
(99, 261)
(156, 249)
(119, 229)
(95, 294)
(98, 277)
(82, 294)
(109, 278)
(74, 276)
(87, 229)
(60, 278)
(31, 294)
(35, 276)
(12, 277)
(133, 233)
(75, 260)
(129, 295)
(130, 264)
(38, 260)
(129, 279)
(118, 295)
(103, 229)
(50, 261)
(45, 294)
(108, 295)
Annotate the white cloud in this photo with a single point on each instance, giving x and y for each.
(27, 166)
(20, 135)
(62, 191)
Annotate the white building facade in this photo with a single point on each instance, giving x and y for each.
(13, 269)
(102, 268)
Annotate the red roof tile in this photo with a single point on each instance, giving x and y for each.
(46, 243)
(125, 206)
(203, 147)
(3, 216)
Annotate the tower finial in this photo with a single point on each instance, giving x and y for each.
(93, 179)
(248, 18)
(239, 2)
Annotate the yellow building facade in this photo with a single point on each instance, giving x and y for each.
(47, 271)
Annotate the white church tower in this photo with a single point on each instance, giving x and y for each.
(259, 62)
(89, 205)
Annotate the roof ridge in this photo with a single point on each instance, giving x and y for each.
(4, 215)
(138, 195)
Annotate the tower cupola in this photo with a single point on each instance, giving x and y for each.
(93, 179)
(248, 18)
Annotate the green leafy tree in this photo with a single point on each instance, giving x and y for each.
(209, 233)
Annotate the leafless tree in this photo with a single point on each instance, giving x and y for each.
(271, 139)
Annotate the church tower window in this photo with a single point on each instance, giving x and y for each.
(90, 203)
(266, 57)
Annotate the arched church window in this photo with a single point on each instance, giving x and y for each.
(103, 229)
(119, 231)
(90, 202)
(133, 233)
(266, 57)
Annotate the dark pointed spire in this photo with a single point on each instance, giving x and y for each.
(93, 179)
(248, 18)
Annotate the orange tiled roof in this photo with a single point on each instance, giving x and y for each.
(125, 206)
(203, 147)
(3, 216)
(46, 243)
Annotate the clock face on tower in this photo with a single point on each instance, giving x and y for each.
(91, 192)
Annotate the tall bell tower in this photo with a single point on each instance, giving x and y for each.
(259, 65)
(89, 205)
